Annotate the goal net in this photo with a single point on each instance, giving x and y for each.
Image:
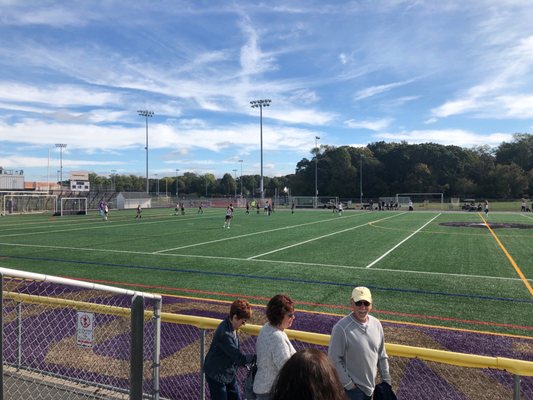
(427, 201)
(73, 206)
(27, 203)
(315, 202)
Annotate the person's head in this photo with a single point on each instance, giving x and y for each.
(308, 374)
(361, 302)
(280, 311)
(239, 313)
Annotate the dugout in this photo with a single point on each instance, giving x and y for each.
(129, 200)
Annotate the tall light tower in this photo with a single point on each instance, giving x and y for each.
(260, 104)
(235, 174)
(241, 161)
(146, 114)
(177, 189)
(113, 175)
(361, 180)
(316, 171)
(61, 146)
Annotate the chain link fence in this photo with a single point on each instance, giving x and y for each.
(47, 354)
(413, 378)
(70, 340)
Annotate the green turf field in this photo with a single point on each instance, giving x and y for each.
(418, 270)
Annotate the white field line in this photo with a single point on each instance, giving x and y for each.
(101, 225)
(402, 242)
(322, 237)
(253, 234)
(430, 273)
(527, 216)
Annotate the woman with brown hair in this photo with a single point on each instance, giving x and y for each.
(273, 346)
(224, 355)
(308, 375)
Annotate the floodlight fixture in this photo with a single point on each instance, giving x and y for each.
(146, 114)
(260, 104)
(61, 146)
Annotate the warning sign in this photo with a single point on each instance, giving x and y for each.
(85, 329)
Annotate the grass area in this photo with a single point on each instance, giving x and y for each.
(418, 270)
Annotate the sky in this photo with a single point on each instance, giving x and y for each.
(346, 72)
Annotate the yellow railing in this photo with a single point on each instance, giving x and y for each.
(517, 367)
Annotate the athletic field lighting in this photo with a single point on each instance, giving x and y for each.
(235, 173)
(146, 114)
(316, 171)
(361, 180)
(241, 161)
(177, 189)
(61, 146)
(260, 104)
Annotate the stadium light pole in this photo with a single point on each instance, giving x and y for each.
(316, 170)
(235, 173)
(146, 114)
(113, 172)
(177, 189)
(61, 146)
(241, 161)
(260, 104)
(361, 180)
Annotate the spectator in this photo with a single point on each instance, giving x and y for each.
(273, 346)
(308, 375)
(357, 348)
(224, 355)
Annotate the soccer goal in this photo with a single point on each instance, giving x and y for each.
(73, 206)
(14, 203)
(315, 202)
(428, 201)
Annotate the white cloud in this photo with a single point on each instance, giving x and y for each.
(375, 90)
(376, 125)
(456, 137)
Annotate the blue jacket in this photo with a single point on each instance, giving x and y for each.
(224, 355)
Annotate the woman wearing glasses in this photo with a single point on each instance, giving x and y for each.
(273, 346)
(224, 355)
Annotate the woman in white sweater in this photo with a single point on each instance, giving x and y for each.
(273, 346)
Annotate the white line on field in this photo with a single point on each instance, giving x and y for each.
(322, 237)
(403, 241)
(305, 264)
(252, 234)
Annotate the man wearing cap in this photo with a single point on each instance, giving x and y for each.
(357, 348)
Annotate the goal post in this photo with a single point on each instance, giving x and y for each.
(15, 203)
(315, 202)
(428, 201)
(73, 206)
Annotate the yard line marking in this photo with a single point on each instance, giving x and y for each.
(322, 237)
(509, 257)
(305, 264)
(253, 234)
(403, 241)
(101, 225)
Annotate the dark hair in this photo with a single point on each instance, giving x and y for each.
(279, 306)
(241, 308)
(308, 375)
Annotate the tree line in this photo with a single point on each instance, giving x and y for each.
(382, 169)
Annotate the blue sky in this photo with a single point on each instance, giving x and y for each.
(349, 72)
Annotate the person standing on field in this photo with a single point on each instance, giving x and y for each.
(139, 211)
(229, 216)
(357, 348)
(486, 209)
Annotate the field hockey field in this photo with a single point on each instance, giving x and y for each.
(442, 269)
